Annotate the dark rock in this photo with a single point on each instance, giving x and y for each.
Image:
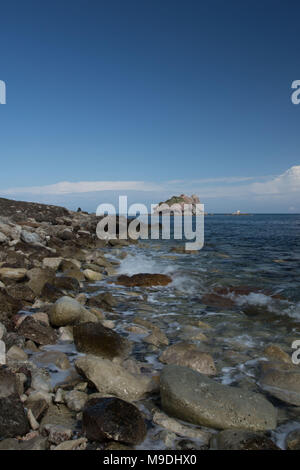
(38, 408)
(144, 280)
(94, 338)
(8, 385)
(67, 283)
(38, 278)
(21, 292)
(113, 419)
(8, 307)
(37, 332)
(50, 293)
(13, 420)
(105, 301)
(66, 235)
(293, 440)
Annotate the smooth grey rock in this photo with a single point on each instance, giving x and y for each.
(193, 397)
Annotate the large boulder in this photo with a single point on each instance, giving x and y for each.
(96, 339)
(112, 379)
(188, 355)
(144, 280)
(113, 419)
(65, 311)
(194, 397)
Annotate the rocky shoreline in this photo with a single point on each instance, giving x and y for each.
(72, 376)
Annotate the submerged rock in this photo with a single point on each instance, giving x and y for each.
(188, 355)
(238, 439)
(282, 384)
(96, 339)
(193, 397)
(113, 419)
(144, 280)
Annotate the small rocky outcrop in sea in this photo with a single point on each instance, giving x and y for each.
(178, 204)
(144, 280)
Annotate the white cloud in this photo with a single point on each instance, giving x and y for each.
(263, 193)
(66, 187)
(288, 182)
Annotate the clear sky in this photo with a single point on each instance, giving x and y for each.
(151, 98)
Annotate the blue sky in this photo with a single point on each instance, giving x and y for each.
(150, 99)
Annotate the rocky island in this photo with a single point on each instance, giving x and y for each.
(177, 204)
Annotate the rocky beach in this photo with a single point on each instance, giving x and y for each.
(123, 344)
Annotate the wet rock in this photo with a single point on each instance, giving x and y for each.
(104, 300)
(9, 444)
(112, 379)
(232, 439)
(58, 416)
(58, 358)
(38, 278)
(282, 384)
(65, 234)
(16, 354)
(8, 385)
(36, 443)
(13, 419)
(171, 424)
(41, 380)
(50, 293)
(52, 263)
(67, 283)
(275, 352)
(2, 353)
(144, 280)
(96, 339)
(292, 440)
(3, 238)
(8, 308)
(57, 433)
(2, 330)
(193, 397)
(91, 275)
(66, 333)
(65, 311)
(113, 419)
(21, 292)
(75, 400)
(188, 355)
(37, 332)
(75, 444)
(38, 408)
(15, 274)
